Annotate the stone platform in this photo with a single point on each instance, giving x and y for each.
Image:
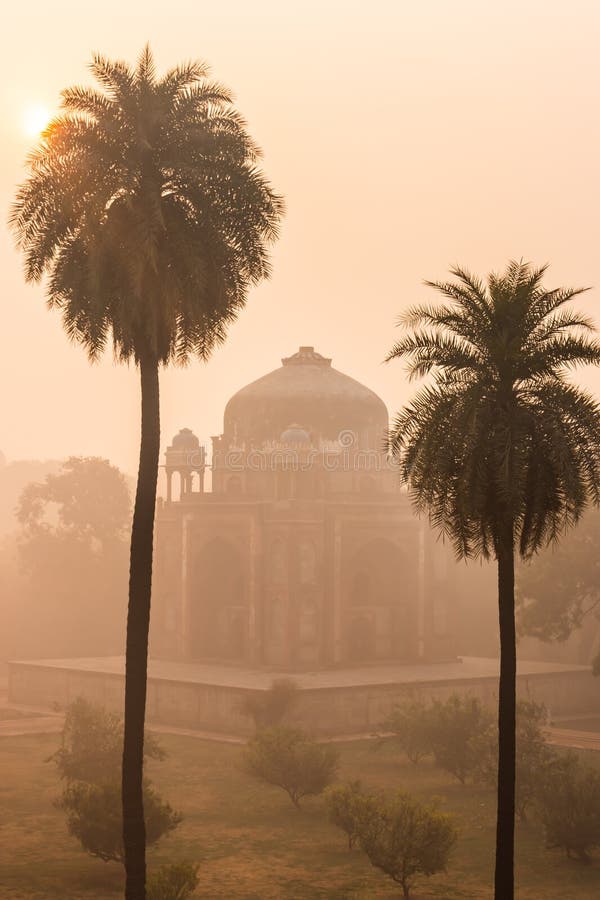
(206, 697)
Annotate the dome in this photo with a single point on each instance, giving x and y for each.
(307, 389)
(185, 440)
(295, 434)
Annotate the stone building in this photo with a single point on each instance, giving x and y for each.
(304, 553)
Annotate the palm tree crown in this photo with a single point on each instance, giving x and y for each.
(145, 207)
(500, 436)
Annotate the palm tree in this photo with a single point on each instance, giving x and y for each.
(500, 449)
(145, 207)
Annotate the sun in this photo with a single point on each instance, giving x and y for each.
(36, 119)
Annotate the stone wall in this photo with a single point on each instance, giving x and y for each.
(348, 710)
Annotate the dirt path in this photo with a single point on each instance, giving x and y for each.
(569, 737)
(16, 720)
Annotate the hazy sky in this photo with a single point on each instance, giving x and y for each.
(404, 136)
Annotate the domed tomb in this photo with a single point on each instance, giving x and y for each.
(305, 389)
(302, 552)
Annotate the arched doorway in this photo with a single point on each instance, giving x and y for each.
(381, 599)
(219, 608)
(361, 638)
(276, 629)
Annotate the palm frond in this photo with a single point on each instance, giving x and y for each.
(145, 72)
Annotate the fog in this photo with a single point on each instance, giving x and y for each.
(404, 139)
(340, 549)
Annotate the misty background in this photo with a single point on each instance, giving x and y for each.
(404, 137)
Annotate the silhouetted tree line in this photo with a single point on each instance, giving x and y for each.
(65, 567)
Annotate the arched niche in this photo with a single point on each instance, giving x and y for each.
(276, 645)
(380, 602)
(307, 562)
(361, 638)
(278, 562)
(367, 484)
(219, 605)
(233, 486)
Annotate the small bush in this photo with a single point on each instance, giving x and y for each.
(348, 807)
(410, 724)
(534, 756)
(89, 761)
(269, 708)
(287, 758)
(92, 744)
(94, 817)
(458, 727)
(406, 839)
(174, 882)
(569, 805)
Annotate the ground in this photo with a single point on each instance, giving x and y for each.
(251, 842)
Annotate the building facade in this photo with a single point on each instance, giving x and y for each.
(305, 552)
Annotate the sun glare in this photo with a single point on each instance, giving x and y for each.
(35, 120)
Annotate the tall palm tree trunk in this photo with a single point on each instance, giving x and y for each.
(505, 826)
(138, 622)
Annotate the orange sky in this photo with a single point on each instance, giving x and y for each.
(404, 136)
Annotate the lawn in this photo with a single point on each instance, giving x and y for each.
(251, 842)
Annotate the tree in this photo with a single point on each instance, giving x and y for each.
(88, 760)
(570, 807)
(287, 758)
(410, 723)
(73, 533)
(14, 478)
(406, 839)
(91, 744)
(534, 756)
(268, 708)
(559, 588)
(145, 208)
(95, 817)
(500, 449)
(348, 805)
(88, 498)
(456, 729)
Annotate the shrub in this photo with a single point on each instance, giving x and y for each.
(406, 839)
(533, 758)
(174, 882)
(570, 807)
(92, 744)
(410, 724)
(269, 708)
(287, 758)
(458, 727)
(89, 761)
(348, 808)
(94, 817)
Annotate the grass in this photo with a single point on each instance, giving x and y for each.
(251, 842)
